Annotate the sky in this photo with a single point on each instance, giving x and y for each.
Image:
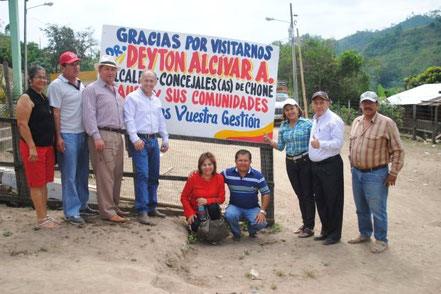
(230, 19)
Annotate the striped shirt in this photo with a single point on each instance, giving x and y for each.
(243, 190)
(376, 145)
(101, 108)
(295, 139)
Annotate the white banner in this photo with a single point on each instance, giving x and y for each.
(209, 87)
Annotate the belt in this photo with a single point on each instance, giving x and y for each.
(329, 159)
(121, 131)
(366, 170)
(297, 156)
(147, 136)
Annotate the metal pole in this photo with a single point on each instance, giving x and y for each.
(25, 47)
(294, 62)
(305, 104)
(15, 48)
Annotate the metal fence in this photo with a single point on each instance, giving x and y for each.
(175, 167)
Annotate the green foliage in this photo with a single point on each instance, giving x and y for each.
(60, 40)
(395, 112)
(341, 77)
(192, 238)
(380, 91)
(400, 51)
(63, 38)
(430, 76)
(347, 114)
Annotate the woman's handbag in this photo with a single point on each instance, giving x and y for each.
(212, 230)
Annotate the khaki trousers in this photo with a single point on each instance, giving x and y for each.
(108, 168)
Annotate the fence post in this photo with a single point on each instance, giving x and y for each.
(348, 120)
(435, 125)
(414, 122)
(267, 168)
(20, 176)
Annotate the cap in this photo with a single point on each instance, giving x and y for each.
(289, 102)
(321, 94)
(369, 95)
(106, 60)
(68, 57)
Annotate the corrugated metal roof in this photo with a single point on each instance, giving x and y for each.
(416, 95)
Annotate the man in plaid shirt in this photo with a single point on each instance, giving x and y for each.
(374, 143)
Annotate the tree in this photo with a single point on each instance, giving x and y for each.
(62, 39)
(430, 76)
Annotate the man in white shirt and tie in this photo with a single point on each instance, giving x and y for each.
(325, 145)
(144, 122)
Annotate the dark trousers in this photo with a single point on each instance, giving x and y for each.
(214, 212)
(327, 179)
(300, 176)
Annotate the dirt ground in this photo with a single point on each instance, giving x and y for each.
(130, 258)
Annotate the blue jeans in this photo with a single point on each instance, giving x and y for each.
(146, 163)
(370, 196)
(234, 214)
(74, 167)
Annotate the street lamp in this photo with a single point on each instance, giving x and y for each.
(25, 54)
(294, 59)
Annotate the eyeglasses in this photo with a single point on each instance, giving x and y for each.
(41, 77)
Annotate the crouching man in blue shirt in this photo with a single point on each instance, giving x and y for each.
(244, 182)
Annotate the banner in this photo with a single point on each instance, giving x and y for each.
(209, 87)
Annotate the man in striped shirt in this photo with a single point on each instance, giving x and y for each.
(374, 142)
(244, 182)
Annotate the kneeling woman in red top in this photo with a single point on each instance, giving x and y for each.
(204, 188)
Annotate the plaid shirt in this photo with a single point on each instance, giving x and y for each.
(295, 139)
(376, 145)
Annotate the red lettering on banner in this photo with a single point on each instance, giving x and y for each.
(195, 63)
(151, 54)
(204, 68)
(246, 70)
(142, 55)
(162, 58)
(123, 91)
(132, 56)
(176, 95)
(211, 65)
(262, 72)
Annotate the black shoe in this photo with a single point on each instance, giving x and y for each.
(88, 211)
(320, 237)
(253, 235)
(156, 213)
(330, 241)
(236, 237)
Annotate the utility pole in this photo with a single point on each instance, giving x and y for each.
(305, 104)
(294, 61)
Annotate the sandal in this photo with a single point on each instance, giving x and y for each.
(299, 230)
(307, 232)
(46, 223)
(54, 220)
(378, 247)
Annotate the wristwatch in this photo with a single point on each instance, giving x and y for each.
(263, 211)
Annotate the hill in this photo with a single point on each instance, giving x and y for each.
(400, 51)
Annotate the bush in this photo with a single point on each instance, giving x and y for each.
(395, 112)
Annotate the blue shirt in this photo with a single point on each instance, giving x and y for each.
(295, 139)
(244, 190)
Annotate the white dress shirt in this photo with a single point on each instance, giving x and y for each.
(143, 115)
(329, 130)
